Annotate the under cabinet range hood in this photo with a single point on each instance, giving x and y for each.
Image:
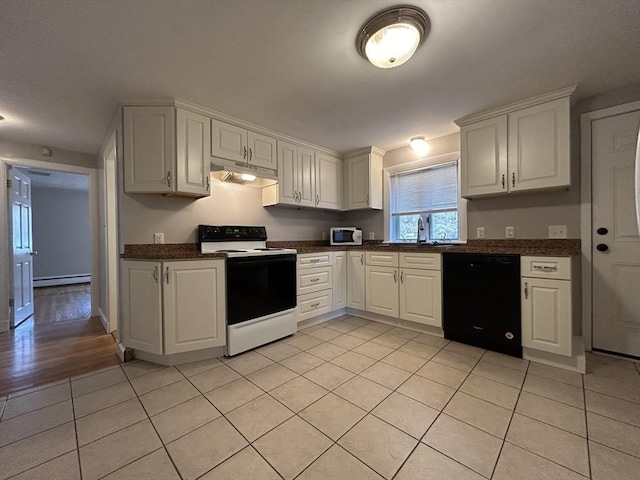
(241, 173)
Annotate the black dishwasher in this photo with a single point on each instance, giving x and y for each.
(481, 301)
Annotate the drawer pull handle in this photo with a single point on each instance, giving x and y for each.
(314, 280)
(314, 260)
(545, 268)
(315, 305)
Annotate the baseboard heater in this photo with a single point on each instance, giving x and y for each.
(61, 280)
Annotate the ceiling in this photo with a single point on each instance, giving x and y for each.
(54, 179)
(291, 65)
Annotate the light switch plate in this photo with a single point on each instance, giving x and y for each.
(372, 235)
(509, 232)
(480, 232)
(557, 231)
(158, 238)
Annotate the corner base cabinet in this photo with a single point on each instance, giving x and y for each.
(173, 307)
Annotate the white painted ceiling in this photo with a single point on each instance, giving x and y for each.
(291, 65)
(53, 179)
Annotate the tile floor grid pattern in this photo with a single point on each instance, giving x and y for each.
(149, 378)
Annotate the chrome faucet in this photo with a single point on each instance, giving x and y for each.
(420, 229)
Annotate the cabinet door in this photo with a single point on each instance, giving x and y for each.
(357, 189)
(306, 177)
(193, 139)
(262, 151)
(483, 157)
(194, 305)
(142, 306)
(149, 149)
(329, 184)
(355, 280)
(382, 290)
(339, 280)
(287, 173)
(421, 296)
(228, 141)
(546, 315)
(539, 146)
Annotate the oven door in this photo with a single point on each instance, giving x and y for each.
(259, 286)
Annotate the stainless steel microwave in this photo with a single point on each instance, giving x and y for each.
(346, 236)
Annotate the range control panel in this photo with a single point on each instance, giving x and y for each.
(211, 233)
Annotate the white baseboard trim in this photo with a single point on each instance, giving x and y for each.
(64, 280)
(103, 320)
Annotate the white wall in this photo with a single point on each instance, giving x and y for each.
(229, 204)
(11, 149)
(61, 232)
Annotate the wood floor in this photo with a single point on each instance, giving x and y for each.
(60, 340)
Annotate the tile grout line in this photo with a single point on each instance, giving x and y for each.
(75, 429)
(513, 413)
(586, 425)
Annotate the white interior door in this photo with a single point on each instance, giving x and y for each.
(21, 235)
(616, 245)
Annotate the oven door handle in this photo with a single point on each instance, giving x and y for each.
(247, 261)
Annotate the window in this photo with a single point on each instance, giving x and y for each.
(430, 193)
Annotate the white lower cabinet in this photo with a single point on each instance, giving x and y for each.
(315, 284)
(173, 307)
(339, 280)
(547, 304)
(355, 280)
(406, 286)
(382, 290)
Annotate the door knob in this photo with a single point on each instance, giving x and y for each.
(602, 247)
(602, 231)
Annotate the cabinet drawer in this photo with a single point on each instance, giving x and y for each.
(546, 267)
(309, 260)
(313, 304)
(382, 259)
(314, 279)
(424, 261)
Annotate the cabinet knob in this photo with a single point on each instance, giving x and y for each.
(169, 179)
(155, 274)
(244, 155)
(208, 183)
(602, 231)
(503, 180)
(526, 290)
(602, 247)
(395, 276)
(250, 154)
(513, 179)
(166, 272)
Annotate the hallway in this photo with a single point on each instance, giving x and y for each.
(60, 340)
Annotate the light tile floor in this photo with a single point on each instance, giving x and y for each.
(348, 399)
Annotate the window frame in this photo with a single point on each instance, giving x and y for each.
(435, 161)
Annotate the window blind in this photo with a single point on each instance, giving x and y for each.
(432, 189)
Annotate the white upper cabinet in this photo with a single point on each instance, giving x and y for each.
(483, 146)
(539, 146)
(329, 184)
(524, 146)
(363, 175)
(306, 178)
(166, 151)
(238, 144)
(149, 149)
(193, 163)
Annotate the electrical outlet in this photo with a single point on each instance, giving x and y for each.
(158, 238)
(324, 235)
(509, 232)
(480, 232)
(372, 235)
(557, 231)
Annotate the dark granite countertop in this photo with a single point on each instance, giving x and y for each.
(535, 247)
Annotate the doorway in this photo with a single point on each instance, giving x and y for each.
(611, 243)
(64, 336)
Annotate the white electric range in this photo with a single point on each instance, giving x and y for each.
(260, 285)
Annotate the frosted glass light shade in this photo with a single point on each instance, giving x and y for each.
(392, 45)
(392, 36)
(419, 145)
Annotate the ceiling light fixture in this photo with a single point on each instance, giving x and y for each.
(391, 37)
(419, 145)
